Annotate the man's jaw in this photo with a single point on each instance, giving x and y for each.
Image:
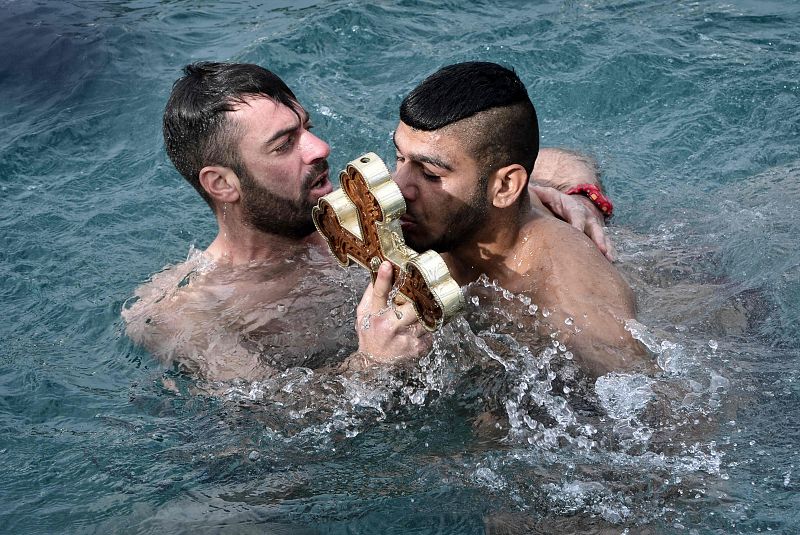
(413, 233)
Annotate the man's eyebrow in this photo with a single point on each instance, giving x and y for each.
(424, 158)
(302, 117)
(282, 132)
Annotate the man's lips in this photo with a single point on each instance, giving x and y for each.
(407, 222)
(322, 183)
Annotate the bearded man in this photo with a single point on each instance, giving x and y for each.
(266, 295)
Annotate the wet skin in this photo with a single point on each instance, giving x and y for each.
(521, 246)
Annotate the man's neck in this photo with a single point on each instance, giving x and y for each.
(239, 244)
(494, 250)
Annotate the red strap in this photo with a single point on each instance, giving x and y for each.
(595, 195)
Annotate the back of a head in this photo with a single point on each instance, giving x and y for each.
(509, 134)
(197, 131)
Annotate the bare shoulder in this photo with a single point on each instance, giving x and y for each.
(569, 261)
(155, 309)
(587, 300)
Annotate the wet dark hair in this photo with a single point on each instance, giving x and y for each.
(197, 129)
(509, 134)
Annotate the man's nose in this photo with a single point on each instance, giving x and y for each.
(313, 148)
(405, 182)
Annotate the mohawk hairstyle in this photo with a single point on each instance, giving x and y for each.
(508, 134)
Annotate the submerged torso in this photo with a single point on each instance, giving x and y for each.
(246, 322)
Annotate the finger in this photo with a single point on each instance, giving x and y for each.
(611, 252)
(578, 219)
(381, 287)
(407, 316)
(597, 234)
(421, 332)
(366, 301)
(424, 343)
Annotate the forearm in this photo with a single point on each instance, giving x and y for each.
(553, 201)
(598, 354)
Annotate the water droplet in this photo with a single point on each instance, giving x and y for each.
(254, 455)
(569, 321)
(418, 397)
(476, 300)
(546, 313)
(713, 345)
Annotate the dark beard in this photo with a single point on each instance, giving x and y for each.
(461, 226)
(273, 214)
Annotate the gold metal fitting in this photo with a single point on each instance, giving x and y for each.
(360, 221)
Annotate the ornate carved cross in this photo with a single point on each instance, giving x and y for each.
(361, 222)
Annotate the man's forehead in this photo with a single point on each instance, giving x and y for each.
(444, 147)
(251, 105)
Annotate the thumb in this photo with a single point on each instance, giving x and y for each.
(382, 286)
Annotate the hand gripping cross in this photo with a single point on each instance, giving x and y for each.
(361, 222)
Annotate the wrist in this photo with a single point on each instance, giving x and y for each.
(359, 361)
(591, 195)
(592, 207)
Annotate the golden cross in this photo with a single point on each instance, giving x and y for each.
(361, 222)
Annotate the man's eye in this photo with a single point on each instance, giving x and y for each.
(399, 158)
(431, 178)
(286, 145)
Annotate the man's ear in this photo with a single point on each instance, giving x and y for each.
(506, 185)
(221, 183)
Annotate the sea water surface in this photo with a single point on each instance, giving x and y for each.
(692, 110)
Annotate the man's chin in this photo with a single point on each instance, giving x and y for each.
(297, 228)
(418, 243)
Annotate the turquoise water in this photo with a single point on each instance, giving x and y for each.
(692, 109)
